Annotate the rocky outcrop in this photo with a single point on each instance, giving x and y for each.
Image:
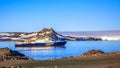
(47, 33)
(97, 53)
(93, 53)
(8, 54)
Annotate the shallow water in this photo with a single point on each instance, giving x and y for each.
(72, 48)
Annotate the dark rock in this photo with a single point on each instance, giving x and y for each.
(93, 53)
(8, 54)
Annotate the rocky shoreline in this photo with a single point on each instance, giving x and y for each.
(93, 53)
(98, 53)
(7, 55)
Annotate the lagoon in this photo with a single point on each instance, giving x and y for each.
(72, 48)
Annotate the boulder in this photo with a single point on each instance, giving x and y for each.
(93, 53)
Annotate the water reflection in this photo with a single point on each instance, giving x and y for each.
(39, 48)
(42, 52)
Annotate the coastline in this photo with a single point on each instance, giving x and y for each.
(104, 60)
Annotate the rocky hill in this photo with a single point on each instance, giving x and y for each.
(47, 33)
(8, 54)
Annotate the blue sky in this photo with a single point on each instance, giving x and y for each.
(61, 15)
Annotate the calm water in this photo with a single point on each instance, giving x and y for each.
(72, 48)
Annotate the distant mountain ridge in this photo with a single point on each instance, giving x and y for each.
(105, 35)
(50, 34)
(92, 33)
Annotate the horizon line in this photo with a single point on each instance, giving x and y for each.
(59, 31)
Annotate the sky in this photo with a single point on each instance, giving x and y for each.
(61, 15)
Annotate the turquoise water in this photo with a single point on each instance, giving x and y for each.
(72, 48)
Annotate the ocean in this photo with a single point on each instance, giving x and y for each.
(72, 48)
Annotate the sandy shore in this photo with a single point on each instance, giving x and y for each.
(101, 61)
